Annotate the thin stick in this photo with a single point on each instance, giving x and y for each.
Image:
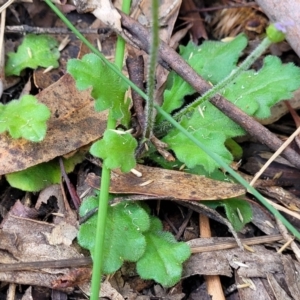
(53, 30)
(6, 5)
(233, 244)
(75, 199)
(213, 282)
(282, 208)
(277, 153)
(37, 265)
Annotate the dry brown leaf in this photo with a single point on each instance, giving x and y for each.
(189, 10)
(73, 124)
(62, 234)
(75, 277)
(278, 291)
(248, 264)
(263, 220)
(291, 270)
(257, 289)
(24, 240)
(64, 213)
(168, 11)
(103, 10)
(37, 13)
(107, 291)
(167, 183)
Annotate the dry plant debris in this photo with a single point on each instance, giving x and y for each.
(262, 273)
(165, 183)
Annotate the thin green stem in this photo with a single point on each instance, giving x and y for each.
(93, 49)
(152, 70)
(104, 185)
(100, 233)
(245, 65)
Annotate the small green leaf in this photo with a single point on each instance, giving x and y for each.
(35, 178)
(255, 92)
(108, 88)
(116, 149)
(124, 239)
(163, 258)
(38, 177)
(238, 211)
(35, 50)
(24, 118)
(212, 60)
(212, 128)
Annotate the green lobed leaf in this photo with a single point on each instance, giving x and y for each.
(212, 60)
(35, 50)
(38, 177)
(124, 239)
(163, 257)
(215, 60)
(231, 207)
(108, 88)
(24, 118)
(212, 128)
(116, 148)
(256, 92)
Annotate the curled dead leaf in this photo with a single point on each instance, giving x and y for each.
(168, 183)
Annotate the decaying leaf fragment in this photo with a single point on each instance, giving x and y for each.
(25, 242)
(103, 10)
(168, 183)
(248, 264)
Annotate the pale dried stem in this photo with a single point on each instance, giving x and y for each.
(276, 154)
(288, 238)
(6, 5)
(281, 208)
(213, 282)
